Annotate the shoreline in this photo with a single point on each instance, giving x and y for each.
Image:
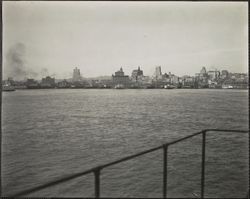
(131, 89)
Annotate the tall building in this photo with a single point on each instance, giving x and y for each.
(158, 73)
(119, 73)
(120, 79)
(224, 74)
(76, 75)
(136, 74)
(203, 70)
(201, 79)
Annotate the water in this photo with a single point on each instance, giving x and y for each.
(48, 134)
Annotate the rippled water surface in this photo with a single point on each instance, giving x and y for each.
(47, 134)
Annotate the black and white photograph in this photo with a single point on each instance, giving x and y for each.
(124, 99)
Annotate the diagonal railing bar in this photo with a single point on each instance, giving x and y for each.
(96, 170)
(53, 183)
(131, 157)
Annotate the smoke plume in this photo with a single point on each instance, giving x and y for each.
(15, 63)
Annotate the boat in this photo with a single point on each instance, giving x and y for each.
(8, 87)
(225, 86)
(119, 86)
(168, 86)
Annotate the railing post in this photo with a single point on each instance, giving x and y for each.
(203, 163)
(165, 169)
(97, 182)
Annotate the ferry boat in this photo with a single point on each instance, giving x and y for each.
(8, 87)
(168, 86)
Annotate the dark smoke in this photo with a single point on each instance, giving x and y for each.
(15, 63)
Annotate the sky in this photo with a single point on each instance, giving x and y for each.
(52, 38)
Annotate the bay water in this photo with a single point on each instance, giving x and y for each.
(51, 133)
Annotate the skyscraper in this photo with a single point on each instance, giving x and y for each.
(120, 78)
(76, 75)
(136, 74)
(158, 73)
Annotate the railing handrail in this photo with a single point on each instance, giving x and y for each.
(96, 170)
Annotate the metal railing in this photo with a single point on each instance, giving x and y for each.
(97, 170)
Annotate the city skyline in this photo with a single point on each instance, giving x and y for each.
(78, 77)
(46, 38)
(203, 79)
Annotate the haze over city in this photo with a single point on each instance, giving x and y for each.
(52, 38)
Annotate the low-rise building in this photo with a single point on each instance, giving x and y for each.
(31, 83)
(166, 78)
(63, 84)
(174, 79)
(212, 84)
(101, 83)
(48, 82)
(187, 82)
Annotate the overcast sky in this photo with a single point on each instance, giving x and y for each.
(45, 38)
